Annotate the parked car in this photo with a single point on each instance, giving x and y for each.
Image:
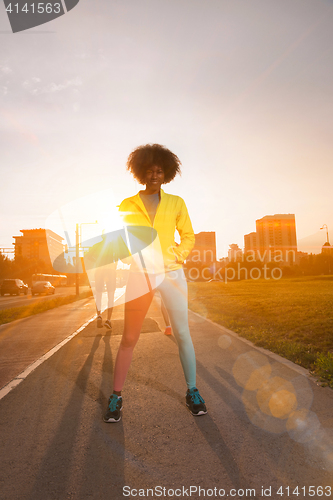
(14, 287)
(42, 287)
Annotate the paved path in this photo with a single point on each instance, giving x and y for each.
(24, 341)
(269, 425)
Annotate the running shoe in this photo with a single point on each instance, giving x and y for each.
(108, 325)
(115, 406)
(99, 322)
(168, 331)
(195, 402)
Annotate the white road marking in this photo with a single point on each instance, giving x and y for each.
(23, 375)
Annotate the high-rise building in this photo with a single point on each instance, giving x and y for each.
(276, 238)
(250, 242)
(204, 250)
(38, 244)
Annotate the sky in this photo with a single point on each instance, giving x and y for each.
(240, 90)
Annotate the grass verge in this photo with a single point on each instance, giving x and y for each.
(8, 315)
(291, 317)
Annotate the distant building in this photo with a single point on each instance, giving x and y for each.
(300, 256)
(38, 244)
(250, 242)
(276, 238)
(204, 250)
(327, 249)
(7, 252)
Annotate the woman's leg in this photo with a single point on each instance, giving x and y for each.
(110, 282)
(174, 295)
(135, 313)
(99, 288)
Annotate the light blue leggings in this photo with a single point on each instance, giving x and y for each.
(173, 291)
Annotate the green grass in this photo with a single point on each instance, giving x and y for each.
(8, 315)
(292, 317)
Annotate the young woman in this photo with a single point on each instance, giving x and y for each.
(154, 165)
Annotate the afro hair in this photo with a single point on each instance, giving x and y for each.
(150, 155)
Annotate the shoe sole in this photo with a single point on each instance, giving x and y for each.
(112, 420)
(201, 412)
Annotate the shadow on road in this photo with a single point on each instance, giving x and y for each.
(86, 456)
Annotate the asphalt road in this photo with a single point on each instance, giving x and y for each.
(268, 430)
(8, 301)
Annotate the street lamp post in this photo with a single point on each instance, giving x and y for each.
(327, 244)
(323, 227)
(77, 259)
(78, 241)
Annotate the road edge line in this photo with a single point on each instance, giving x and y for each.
(23, 375)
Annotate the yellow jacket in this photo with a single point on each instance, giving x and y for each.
(171, 214)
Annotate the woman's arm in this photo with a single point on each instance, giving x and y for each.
(186, 233)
